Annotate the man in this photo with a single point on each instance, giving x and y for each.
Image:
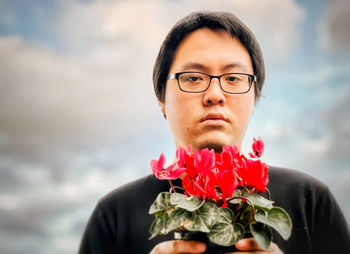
(201, 57)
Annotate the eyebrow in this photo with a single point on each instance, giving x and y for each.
(200, 67)
(238, 65)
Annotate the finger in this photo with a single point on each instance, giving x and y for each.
(255, 247)
(247, 244)
(179, 246)
(244, 252)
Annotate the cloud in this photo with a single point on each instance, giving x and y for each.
(311, 137)
(51, 210)
(315, 126)
(339, 123)
(275, 23)
(334, 33)
(51, 100)
(66, 123)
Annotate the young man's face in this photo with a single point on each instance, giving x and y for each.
(212, 118)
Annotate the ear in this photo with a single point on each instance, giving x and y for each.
(162, 107)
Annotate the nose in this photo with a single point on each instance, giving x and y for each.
(214, 94)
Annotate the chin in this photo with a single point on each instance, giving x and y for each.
(215, 143)
(215, 140)
(217, 147)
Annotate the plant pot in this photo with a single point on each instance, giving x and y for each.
(212, 248)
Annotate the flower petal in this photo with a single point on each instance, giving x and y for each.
(157, 166)
(258, 147)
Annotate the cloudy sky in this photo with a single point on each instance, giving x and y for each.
(78, 115)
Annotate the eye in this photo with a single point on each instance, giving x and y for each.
(191, 77)
(232, 78)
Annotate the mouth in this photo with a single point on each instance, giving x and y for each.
(214, 118)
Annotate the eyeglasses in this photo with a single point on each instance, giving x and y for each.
(198, 82)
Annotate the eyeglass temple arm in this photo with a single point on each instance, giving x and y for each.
(172, 76)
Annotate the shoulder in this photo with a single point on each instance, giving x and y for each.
(291, 177)
(289, 185)
(127, 191)
(142, 192)
(312, 208)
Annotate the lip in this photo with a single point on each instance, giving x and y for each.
(214, 117)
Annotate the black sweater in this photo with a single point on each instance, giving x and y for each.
(120, 221)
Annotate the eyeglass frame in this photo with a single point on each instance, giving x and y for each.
(252, 78)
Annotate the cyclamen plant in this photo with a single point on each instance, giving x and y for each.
(220, 196)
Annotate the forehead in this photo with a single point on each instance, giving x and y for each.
(211, 51)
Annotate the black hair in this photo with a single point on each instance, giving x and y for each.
(212, 20)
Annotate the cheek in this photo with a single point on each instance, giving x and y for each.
(243, 108)
(249, 102)
(176, 107)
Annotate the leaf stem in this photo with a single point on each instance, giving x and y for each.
(172, 186)
(268, 193)
(243, 206)
(240, 211)
(244, 190)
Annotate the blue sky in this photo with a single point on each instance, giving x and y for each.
(78, 116)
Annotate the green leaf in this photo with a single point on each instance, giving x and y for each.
(226, 234)
(155, 227)
(204, 218)
(259, 201)
(196, 223)
(225, 215)
(236, 193)
(247, 216)
(191, 203)
(278, 219)
(161, 203)
(262, 234)
(209, 212)
(176, 219)
(261, 216)
(158, 224)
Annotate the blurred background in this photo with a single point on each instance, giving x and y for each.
(78, 115)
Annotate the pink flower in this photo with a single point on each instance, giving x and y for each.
(181, 155)
(258, 148)
(168, 173)
(204, 161)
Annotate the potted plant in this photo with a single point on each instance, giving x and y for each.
(221, 199)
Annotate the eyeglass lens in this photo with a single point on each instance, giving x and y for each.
(198, 82)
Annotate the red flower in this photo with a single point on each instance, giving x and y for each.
(227, 182)
(257, 176)
(169, 173)
(227, 178)
(200, 179)
(258, 148)
(215, 176)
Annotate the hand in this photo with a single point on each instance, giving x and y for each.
(249, 245)
(178, 246)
